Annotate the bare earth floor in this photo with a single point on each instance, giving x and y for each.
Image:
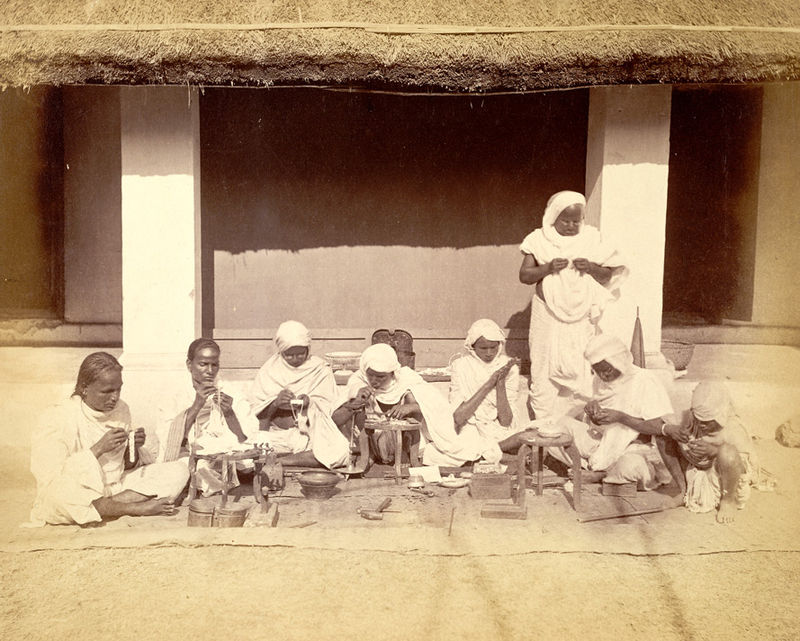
(667, 575)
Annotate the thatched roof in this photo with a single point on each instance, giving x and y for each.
(450, 45)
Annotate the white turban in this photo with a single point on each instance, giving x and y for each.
(484, 327)
(292, 334)
(711, 402)
(609, 348)
(379, 358)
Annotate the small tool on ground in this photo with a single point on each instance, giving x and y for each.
(376, 514)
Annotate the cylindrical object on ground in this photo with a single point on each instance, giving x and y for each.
(230, 516)
(201, 513)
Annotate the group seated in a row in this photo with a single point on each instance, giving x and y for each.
(90, 466)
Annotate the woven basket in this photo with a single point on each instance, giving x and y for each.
(679, 352)
(343, 360)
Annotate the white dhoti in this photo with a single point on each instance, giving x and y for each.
(70, 477)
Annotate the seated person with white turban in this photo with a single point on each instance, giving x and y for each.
(628, 402)
(484, 386)
(715, 454)
(383, 386)
(302, 433)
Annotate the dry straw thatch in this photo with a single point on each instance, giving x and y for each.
(450, 45)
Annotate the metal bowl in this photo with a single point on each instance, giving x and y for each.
(318, 485)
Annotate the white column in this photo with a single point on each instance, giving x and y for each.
(627, 167)
(161, 306)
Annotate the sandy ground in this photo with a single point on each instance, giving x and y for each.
(670, 575)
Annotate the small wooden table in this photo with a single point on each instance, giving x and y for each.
(257, 455)
(534, 443)
(398, 426)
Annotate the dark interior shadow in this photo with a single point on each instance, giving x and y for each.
(517, 345)
(294, 169)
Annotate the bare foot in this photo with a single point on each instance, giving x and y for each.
(153, 507)
(727, 512)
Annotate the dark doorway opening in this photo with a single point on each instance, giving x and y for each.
(31, 203)
(712, 203)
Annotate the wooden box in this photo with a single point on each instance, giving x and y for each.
(490, 486)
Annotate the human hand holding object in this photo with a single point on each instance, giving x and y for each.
(591, 408)
(202, 392)
(225, 403)
(283, 398)
(702, 448)
(110, 441)
(677, 432)
(557, 264)
(582, 264)
(399, 411)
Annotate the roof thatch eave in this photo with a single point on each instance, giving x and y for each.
(510, 46)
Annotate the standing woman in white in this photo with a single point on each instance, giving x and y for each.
(574, 274)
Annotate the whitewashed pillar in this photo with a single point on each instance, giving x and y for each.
(627, 168)
(161, 306)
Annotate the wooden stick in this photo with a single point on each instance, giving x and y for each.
(618, 515)
(452, 514)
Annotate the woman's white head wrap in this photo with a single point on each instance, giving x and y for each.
(609, 348)
(292, 334)
(487, 328)
(558, 203)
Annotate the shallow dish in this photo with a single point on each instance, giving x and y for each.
(343, 360)
(318, 479)
(454, 483)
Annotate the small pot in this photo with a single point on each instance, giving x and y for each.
(318, 485)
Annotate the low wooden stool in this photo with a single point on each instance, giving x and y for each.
(534, 443)
(225, 458)
(398, 426)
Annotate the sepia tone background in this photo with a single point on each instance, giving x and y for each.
(376, 164)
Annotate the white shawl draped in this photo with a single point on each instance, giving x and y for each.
(469, 373)
(570, 294)
(315, 379)
(440, 444)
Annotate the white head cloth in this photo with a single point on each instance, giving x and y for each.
(712, 402)
(491, 331)
(558, 203)
(379, 358)
(609, 348)
(292, 334)
(487, 328)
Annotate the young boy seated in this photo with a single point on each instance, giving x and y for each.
(711, 456)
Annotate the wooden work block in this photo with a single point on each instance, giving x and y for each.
(490, 486)
(619, 489)
(504, 511)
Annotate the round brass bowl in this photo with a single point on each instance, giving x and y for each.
(318, 485)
